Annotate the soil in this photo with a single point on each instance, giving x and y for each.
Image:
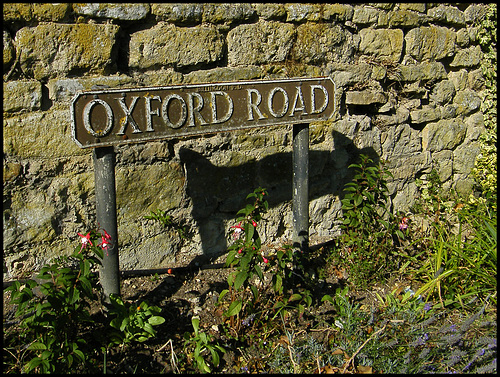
(188, 292)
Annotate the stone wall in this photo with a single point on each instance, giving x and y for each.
(409, 86)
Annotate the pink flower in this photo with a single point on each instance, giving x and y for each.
(104, 243)
(403, 224)
(106, 235)
(265, 259)
(240, 250)
(254, 223)
(85, 240)
(237, 230)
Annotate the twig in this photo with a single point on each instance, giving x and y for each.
(361, 347)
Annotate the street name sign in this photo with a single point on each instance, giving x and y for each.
(122, 116)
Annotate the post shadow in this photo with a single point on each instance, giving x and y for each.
(219, 192)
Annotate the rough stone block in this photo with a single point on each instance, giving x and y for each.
(168, 45)
(51, 50)
(469, 57)
(21, 95)
(35, 11)
(382, 43)
(261, 43)
(40, 135)
(9, 53)
(430, 43)
(122, 11)
(319, 43)
(445, 134)
(364, 97)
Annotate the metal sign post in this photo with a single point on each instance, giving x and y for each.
(300, 187)
(105, 194)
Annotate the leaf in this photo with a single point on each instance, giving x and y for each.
(278, 283)
(295, 297)
(156, 320)
(233, 309)
(364, 370)
(37, 346)
(79, 354)
(32, 364)
(259, 272)
(222, 294)
(240, 279)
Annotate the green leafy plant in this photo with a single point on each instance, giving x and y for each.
(245, 256)
(55, 301)
(200, 343)
(370, 231)
(133, 322)
(166, 221)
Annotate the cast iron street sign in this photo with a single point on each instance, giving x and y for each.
(122, 116)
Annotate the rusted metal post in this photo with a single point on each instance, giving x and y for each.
(300, 187)
(105, 194)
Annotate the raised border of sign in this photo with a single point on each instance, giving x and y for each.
(205, 86)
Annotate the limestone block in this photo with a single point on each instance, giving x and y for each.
(118, 11)
(443, 163)
(260, 43)
(9, 53)
(22, 95)
(405, 18)
(407, 166)
(476, 80)
(425, 115)
(469, 57)
(178, 13)
(365, 15)
(400, 140)
(364, 97)
(447, 14)
(464, 157)
(382, 43)
(417, 7)
(423, 71)
(169, 45)
(318, 43)
(430, 43)
(270, 11)
(445, 134)
(467, 101)
(443, 92)
(459, 79)
(49, 50)
(227, 13)
(475, 13)
(36, 11)
(303, 12)
(44, 134)
(337, 12)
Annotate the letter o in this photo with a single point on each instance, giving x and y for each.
(164, 110)
(86, 118)
(270, 102)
